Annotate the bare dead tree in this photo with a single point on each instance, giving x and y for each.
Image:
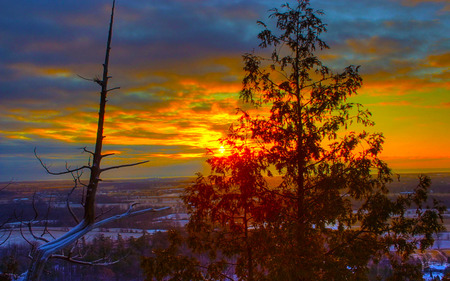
(41, 254)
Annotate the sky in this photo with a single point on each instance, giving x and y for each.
(178, 64)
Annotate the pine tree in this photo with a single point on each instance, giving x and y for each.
(326, 213)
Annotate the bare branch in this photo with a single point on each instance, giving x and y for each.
(122, 166)
(76, 179)
(23, 235)
(46, 221)
(30, 222)
(108, 154)
(6, 239)
(30, 229)
(83, 195)
(88, 151)
(83, 184)
(128, 213)
(58, 173)
(104, 212)
(34, 207)
(83, 228)
(116, 88)
(8, 184)
(95, 79)
(96, 263)
(88, 223)
(88, 79)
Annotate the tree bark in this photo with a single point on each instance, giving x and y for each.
(89, 208)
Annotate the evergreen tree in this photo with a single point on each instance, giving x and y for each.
(329, 213)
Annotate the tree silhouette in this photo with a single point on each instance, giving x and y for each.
(5, 233)
(90, 221)
(329, 213)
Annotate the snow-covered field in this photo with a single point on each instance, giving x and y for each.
(442, 241)
(16, 236)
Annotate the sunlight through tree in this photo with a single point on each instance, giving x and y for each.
(301, 195)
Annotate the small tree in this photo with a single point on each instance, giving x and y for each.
(329, 213)
(90, 221)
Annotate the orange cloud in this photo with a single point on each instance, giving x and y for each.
(412, 3)
(394, 103)
(50, 71)
(439, 60)
(382, 84)
(179, 155)
(405, 164)
(374, 46)
(416, 2)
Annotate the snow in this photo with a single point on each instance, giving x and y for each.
(427, 276)
(21, 277)
(435, 270)
(181, 216)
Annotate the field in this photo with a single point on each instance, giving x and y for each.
(115, 196)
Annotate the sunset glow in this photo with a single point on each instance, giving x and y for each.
(179, 68)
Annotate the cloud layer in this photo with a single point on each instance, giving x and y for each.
(178, 64)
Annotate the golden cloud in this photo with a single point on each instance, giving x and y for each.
(439, 60)
(35, 70)
(374, 46)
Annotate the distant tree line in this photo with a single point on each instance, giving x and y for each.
(131, 263)
(127, 252)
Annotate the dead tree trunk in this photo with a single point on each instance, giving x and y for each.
(44, 252)
(89, 214)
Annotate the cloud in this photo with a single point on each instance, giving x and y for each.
(418, 165)
(375, 46)
(417, 2)
(179, 67)
(439, 60)
(395, 103)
